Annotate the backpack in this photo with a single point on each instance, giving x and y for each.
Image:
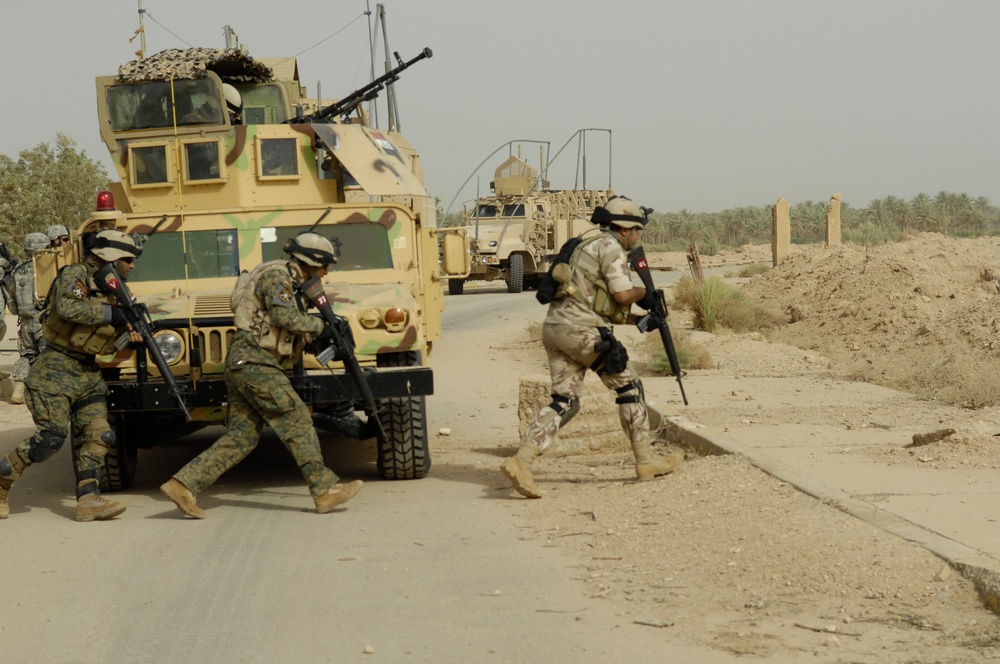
(561, 270)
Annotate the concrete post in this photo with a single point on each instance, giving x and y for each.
(833, 221)
(781, 232)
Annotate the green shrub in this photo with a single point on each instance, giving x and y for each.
(715, 304)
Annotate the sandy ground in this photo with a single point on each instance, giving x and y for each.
(721, 554)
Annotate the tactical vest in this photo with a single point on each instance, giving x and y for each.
(78, 338)
(22, 302)
(250, 314)
(603, 303)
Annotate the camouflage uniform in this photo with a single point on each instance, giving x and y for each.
(260, 394)
(577, 338)
(30, 341)
(571, 331)
(65, 392)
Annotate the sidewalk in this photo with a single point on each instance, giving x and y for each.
(952, 512)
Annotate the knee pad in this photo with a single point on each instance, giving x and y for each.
(631, 392)
(566, 407)
(97, 437)
(44, 444)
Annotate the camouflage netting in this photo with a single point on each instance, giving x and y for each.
(230, 64)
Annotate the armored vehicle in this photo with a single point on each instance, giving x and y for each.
(218, 189)
(516, 233)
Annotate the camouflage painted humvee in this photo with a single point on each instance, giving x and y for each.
(224, 194)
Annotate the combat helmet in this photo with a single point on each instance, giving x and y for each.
(312, 249)
(110, 245)
(622, 212)
(35, 242)
(57, 231)
(234, 100)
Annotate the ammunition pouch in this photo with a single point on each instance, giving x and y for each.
(612, 358)
(566, 407)
(86, 339)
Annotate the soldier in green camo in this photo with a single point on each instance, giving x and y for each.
(272, 328)
(27, 308)
(577, 335)
(64, 387)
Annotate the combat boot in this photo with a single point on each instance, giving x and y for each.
(17, 397)
(91, 507)
(517, 469)
(336, 495)
(11, 467)
(649, 465)
(183, 498)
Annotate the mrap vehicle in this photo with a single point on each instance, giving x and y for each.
(217, 193)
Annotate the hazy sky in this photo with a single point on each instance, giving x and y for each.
(711, 103)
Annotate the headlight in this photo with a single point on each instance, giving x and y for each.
(170, 345)
(395, 319)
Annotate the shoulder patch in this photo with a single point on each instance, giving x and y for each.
(78, 290)
(283, 297)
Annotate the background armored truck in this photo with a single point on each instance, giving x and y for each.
(223, 195)
(517, 232)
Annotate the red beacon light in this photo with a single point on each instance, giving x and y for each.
(105, 201)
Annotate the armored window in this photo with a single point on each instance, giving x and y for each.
(213, 253)
(363, 246)
(513, 210)
(278, 158)
(201, 161)
(262, 104)
(154, 105)
(487, 211)
(149, 165)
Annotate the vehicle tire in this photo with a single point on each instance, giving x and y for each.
(121, 460)
(456, 286)
(515, 273)
(405, 454)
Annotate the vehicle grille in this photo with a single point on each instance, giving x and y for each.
(215, 342)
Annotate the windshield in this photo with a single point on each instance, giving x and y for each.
(486, 211)
(148, 105)
(513, 210)
(209, 254)
(363, 246)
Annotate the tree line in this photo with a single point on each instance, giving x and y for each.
(46, 185)
(882, 220)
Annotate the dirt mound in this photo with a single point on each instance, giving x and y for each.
(918, 315)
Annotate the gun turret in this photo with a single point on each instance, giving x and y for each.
(346, 106)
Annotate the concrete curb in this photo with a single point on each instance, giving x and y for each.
(983, 571)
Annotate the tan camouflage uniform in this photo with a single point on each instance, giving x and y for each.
(65, 392)
(260, 394)
(570, 333)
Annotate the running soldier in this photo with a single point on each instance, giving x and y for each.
(64, 387)
(272, 328)
(577, 335)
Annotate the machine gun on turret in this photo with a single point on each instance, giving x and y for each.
(348, 104)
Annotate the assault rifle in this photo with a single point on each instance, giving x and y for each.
(346, 106)
(136, 314)
(342, 348)
(657, 316)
